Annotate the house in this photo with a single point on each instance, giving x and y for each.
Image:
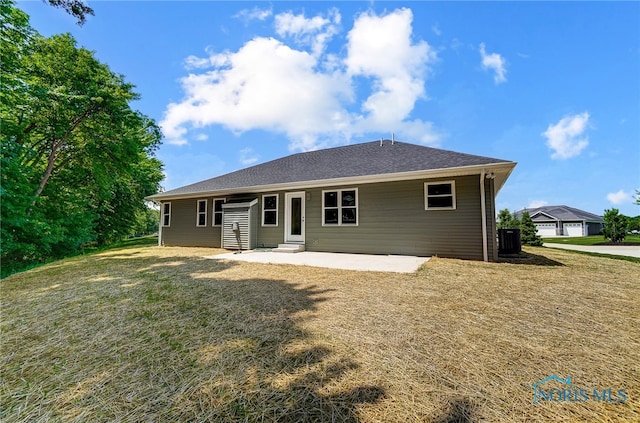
(381, 197)
(553, 221)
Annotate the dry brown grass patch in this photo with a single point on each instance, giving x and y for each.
(163, 334)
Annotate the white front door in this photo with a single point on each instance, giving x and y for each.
(294, 217)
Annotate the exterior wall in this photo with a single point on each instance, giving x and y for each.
(270, 236)
(594, 228)
(183, 230)
(391, 220)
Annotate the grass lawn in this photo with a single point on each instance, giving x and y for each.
(589, 240)
(163, 334)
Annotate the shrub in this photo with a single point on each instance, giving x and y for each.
(528, 231)
(615, 225)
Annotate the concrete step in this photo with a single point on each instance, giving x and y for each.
(289, 248)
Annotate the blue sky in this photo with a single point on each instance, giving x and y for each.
(554, 86)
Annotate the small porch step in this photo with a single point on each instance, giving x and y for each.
(289, 248)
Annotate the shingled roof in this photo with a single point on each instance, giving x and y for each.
(350, 161)
(564, 213)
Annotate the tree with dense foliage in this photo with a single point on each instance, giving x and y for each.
(77, 161)
(615, 225)
(147, 221)
(528, 230)
(507, 220)
(75, 8)
(634, 223)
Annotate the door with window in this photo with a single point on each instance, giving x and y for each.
(294, 217)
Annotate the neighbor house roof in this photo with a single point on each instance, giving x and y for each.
(346, 164)
(564, 213)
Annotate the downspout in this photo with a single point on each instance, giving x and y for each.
(160, 227)
(483, 212)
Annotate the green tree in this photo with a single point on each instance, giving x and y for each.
(507, 220)
(528, 230)
(147, 221)
(615, 225)
(634, 223)
(77, 161)
(75, 8)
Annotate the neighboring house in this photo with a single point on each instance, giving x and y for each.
(381, 197)
(553, 221)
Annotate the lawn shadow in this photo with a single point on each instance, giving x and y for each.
(175, 338)
(266, 367)
(459, 410)
(528, 258)
(213, 346)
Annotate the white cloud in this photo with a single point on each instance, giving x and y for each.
(287, 95)
(495, 62)
(315, 32)
(255, 13)
(380, 47)
(566, 137)
(202, 137)
(304, 92)
(247, 156)
(620, 197)
(194, 62)
(534, 204)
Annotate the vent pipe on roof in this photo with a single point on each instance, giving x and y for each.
(393, 138)
(380, 141)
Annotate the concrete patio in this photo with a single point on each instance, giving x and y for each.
(362, 262)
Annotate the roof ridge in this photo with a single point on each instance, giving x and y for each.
(549, 210)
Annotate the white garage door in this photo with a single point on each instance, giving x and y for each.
(572, 229)
(546, 229)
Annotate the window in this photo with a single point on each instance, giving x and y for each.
(440, 195)
(340, 207)
(270, 210)
(166, 214)
(201, 217)
(217, 211)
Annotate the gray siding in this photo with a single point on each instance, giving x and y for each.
(183, 230)
(393, 220)
(594, 228)
(270, 236)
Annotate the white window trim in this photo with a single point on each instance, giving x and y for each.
(270, 225)
(357, 207)
(163, 213)
(198, 213)
(213, 220)
(453, 194)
